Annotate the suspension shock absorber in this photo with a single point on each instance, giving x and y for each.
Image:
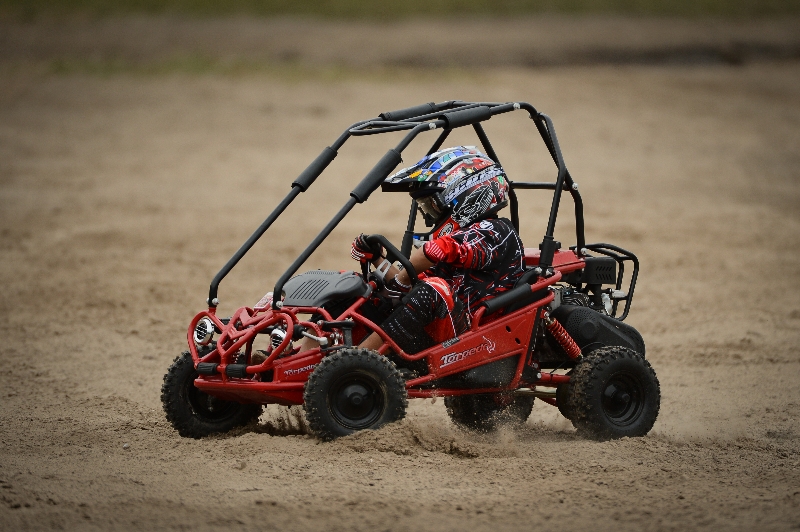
(561, 335)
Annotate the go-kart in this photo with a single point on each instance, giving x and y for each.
(559, 335)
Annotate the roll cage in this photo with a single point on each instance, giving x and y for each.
(446, 117)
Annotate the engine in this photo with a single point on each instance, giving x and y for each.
(590, 327)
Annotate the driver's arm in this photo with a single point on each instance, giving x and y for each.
(417, 259)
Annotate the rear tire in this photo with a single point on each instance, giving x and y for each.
(562, 400)
(194, 413)
(613, 393)
(353, 390)
(487, 412)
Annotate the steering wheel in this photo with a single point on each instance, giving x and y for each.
(393, 254)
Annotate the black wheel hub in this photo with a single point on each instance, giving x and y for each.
(356, 400)
(622, 399)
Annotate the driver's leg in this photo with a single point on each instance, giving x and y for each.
(406, 324)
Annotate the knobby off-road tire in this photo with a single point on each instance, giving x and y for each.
(487, 412)
(614, 392)
(352, 390)
(562, 400)
(193, 413)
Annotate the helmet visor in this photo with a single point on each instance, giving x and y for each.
(429, 206)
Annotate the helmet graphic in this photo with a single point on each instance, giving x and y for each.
(458, 182)
(472, 197)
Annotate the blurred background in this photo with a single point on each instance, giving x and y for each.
(374, 9)
(242, 35)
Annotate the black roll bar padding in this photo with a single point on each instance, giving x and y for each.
(376, 176)
(409, 112)
(300, 184)
(313, 171)
(371, 182)
(212, 292)
(466, 117)
(505, 299)
(441, 107)
(392, 253)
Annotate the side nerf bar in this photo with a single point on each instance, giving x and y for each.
(519, 293)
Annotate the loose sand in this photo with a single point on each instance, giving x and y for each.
(122, 195)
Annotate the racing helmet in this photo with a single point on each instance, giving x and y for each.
(458, 183)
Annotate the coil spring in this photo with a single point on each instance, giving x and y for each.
(562, 337)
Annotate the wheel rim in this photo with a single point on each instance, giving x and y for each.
(623, 399)
(207, 406)
(356, 400)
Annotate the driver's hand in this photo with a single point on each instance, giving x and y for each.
(362, 251)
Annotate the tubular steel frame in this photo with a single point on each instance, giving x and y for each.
(495, 339)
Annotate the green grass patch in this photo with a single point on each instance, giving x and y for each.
(386, 10)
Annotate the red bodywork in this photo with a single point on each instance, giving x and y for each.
(487, 341)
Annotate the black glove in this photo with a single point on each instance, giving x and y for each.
(362, 251)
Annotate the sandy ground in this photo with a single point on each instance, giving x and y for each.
(122, 195)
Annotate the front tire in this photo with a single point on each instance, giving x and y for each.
(486, 412)
(613, 393)
(194, 413)
(353, 390)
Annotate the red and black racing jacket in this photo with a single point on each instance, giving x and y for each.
(480, 261)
